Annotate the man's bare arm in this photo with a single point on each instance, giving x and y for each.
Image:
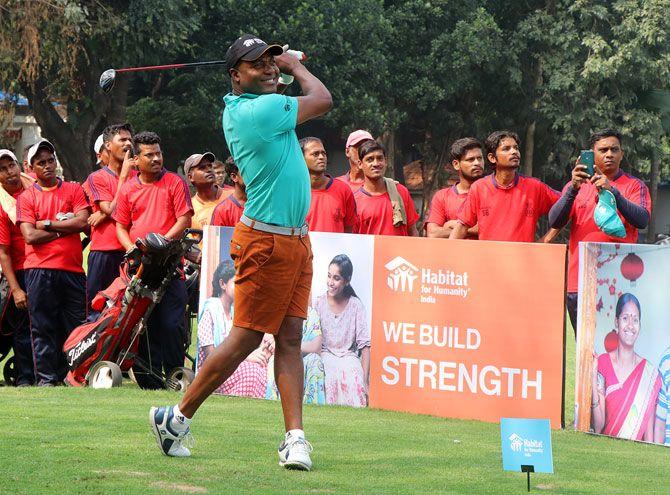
(316, 99)
(182, 223)
(36, 236)
(460, 232)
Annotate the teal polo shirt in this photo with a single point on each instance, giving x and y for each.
(260, 132)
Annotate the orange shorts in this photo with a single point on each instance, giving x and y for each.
(273, 278)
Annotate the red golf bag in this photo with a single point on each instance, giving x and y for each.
(99, 352)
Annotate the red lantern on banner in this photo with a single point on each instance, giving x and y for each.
(632, 267)
(611, 341)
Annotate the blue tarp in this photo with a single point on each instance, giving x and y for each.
(16, 99)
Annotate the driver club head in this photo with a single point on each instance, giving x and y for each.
(107, 80)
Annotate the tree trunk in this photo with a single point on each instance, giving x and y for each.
(395, 167)
(74, 136)
(431, 164)
(653, 191)
(530, 129)
(529, 149)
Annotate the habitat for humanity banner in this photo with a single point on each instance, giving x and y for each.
(622, 386)
(468, 329)
(462, 329)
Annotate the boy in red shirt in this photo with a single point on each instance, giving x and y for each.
(373, 203)
(506, 205)
(580, 197)
(157, 201)
(52, 214)
(102, 188)
(333, 208)
(229, 211)
(467, 159)
(12, 257)
(354, 178)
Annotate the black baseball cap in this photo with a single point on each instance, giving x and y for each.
(249, 47)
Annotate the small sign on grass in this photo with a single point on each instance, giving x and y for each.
(526, 446)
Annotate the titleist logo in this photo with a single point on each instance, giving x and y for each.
(80, 348)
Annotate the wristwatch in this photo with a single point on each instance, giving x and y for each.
(47, 225)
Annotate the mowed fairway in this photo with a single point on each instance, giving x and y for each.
(86, 441)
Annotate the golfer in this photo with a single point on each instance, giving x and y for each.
(270, 247)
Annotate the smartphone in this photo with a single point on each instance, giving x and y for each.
(587, 158)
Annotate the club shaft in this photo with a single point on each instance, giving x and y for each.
(171, 66)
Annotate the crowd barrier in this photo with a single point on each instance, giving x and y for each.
(626, 356)
(461, 329)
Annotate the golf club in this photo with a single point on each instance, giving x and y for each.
(108, 78)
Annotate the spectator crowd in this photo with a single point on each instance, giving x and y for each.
(130, 194)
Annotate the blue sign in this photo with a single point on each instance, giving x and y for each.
(526, 442)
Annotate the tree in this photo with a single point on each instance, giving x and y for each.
(62, 48)
(345, 45)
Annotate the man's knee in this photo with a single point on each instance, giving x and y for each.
(246, 339)
(290, 333)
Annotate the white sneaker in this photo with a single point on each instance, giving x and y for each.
(294, 453)
(171, 442)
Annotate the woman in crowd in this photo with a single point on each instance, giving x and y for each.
(346, 337)
(214, 324)
(625, 385)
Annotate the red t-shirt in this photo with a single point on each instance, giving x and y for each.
(155, 207)
(101, 185)
(354, 186)
(227, 213)
(63, 253)
(10, 235)
(332, 209)
(445, 205)
(507, 213)
(375, 213)
(581, 215)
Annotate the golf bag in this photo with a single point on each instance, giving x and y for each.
(98, 352)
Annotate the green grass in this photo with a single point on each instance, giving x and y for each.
(98, 441)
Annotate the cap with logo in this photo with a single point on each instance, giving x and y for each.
(42, 144)
(249, 47)
(6, 152)
(97, 146)
(357, 137)
(195, 159)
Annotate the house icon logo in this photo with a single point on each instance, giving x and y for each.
(515, 442)
(402, 274)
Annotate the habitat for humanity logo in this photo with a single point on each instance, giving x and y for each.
(515, 442)
(529, 446)
(402, 274)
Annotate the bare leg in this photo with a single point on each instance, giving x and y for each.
(289, 371)
(220, 364)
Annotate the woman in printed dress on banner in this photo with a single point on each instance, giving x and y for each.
(346, 337)
(312, 338)
(625, 385)
(214, 324)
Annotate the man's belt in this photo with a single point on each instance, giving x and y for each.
(274, 229)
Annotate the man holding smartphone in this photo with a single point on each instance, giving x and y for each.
(580, 197)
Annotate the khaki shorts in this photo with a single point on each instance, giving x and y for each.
(273, 278)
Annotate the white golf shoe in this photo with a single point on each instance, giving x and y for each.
(294, 453)
(171, 442)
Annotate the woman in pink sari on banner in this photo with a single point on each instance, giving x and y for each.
(346, 337)
(625, 385)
